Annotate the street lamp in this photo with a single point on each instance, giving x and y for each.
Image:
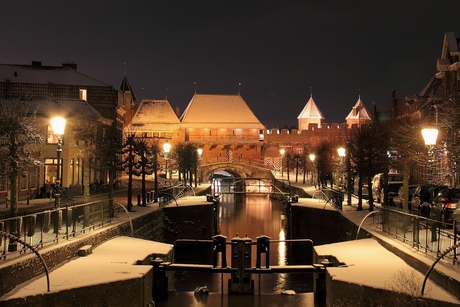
(166, 149)
(312, 159)
(200, 152)
(282, 151)
(429, 136)
(341, 152)
(58, 126)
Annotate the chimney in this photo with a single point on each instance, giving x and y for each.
(36, 63)
(178, 111)
(355, 111)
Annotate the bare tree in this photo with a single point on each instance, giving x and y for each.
(19, 135)
(368, 146)
(128, 162)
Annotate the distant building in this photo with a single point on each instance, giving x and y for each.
(61, 90)
(154, 119)
(310, 115)
(358, 115)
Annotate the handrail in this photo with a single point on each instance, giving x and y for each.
(33, 249)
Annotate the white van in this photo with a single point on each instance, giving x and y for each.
(377, 184)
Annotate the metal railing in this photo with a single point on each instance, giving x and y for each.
(425, 234)
(53, 226)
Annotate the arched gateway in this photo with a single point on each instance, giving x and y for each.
(236, 169)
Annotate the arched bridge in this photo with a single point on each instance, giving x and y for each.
(240, 170)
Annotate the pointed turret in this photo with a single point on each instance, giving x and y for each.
(310, 115)
(126, 100)
(358, 115)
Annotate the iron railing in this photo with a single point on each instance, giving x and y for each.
(424, 234)
(53, 226)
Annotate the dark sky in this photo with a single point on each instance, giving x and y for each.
(278, 50)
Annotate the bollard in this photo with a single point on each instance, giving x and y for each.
(28, 197)
(219, 246)
(263, 247)
(320, 286)
(160, 280)
(138, 199)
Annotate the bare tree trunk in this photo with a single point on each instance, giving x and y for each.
(13, 197)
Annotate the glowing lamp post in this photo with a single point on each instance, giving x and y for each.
(166, 149)
(282, 151)
(200, 152)
(58, 126)
(312, 159)
(341, 152)
(429, 136)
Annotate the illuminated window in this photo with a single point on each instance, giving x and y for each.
(51, 137)
(83, 94)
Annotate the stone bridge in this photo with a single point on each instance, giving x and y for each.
(238, 170)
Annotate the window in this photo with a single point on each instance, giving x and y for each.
(51, 137)
(83, 94)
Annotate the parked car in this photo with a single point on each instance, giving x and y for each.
(377, 185)
(423, 197)
(365, 186)
(393, 188)
(398, 200)
(445, 203)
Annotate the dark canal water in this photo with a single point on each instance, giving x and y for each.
(250, 216)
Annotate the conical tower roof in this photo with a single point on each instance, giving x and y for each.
(311, 110)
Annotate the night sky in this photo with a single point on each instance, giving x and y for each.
(277, 50)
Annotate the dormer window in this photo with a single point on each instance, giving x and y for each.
(83, 94)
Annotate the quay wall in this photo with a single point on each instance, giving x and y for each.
(154, 226)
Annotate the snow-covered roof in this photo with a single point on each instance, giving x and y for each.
(310, 110)
(154, 116)
(65, 107)
(39, 74)
(219, 111)
(358, 111)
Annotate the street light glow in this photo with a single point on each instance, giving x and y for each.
(341, 151)
(312, 157)
(58, 125)
(200, 151)
(166, 147)
(282, 151)
(429, 136)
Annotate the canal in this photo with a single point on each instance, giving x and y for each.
(247, 216)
